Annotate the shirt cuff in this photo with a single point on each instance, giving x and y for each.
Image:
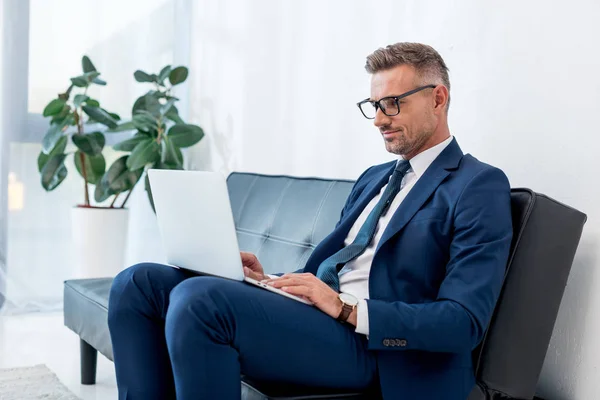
(362, 318)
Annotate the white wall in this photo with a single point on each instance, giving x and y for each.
(275, 83)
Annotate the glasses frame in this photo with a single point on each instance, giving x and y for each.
(377, 106)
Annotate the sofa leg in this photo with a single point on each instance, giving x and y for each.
(89, 359)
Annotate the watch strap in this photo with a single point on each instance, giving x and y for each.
(345, 313)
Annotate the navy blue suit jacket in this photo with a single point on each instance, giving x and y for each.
(436, 273)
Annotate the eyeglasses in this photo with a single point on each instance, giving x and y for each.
(388, 105)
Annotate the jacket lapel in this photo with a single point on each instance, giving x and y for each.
(371, 190)
(335, 240)
(448, 160)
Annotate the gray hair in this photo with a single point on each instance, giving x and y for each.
(427, 62)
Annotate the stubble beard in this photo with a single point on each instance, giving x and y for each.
(403, 145)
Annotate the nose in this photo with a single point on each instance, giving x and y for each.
(381, 119)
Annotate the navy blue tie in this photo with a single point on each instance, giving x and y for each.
(330, 267)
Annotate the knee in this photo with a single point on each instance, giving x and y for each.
(196, 305)
(201, 291)
(138, 282)
(132, 279)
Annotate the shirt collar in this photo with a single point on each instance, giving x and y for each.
(423, 160)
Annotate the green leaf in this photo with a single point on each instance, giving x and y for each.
(140, 104)
(65, 96)
(94, 166)
(99, 81)
(80, 81)
(115, 116)
(129, 144)
(173, 115)
(163, 165)
(185, 135)
(145, 122)
(87, 65)
(152, 105)
(171, 154)
(54, 172)
(92, 103)
(118, 178)
(59, 148)
(164, 74)
(146, 152)
(165, 108)
(91, 143)
(54, 107)
(60, 117)
(141, 76)
(126, 126)
(80, 99)
(178, 75)
(148, 102)
(102, 191)
(101, 116)
(90, 76)
(161, 95)
(52, 137)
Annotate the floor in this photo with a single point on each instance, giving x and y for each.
(30, 339)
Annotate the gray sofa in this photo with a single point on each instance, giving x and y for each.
(282, 219)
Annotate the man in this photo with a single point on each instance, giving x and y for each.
(413, 270)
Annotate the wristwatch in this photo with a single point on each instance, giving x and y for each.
(349, 303)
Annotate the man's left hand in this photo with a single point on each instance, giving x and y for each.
(313, 289)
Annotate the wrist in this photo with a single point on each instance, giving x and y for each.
(348, 307)
(353, 318)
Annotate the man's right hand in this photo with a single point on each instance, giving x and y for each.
(252, 267)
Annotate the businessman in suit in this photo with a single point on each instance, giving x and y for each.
(403, 288)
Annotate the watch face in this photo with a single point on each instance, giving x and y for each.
(348, 299)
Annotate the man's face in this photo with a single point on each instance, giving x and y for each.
(406, 133)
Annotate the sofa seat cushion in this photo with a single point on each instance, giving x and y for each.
(86, 311)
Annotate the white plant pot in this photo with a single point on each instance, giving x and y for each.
(99, 237)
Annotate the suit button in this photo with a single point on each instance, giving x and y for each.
(402, 343)
(386, 342)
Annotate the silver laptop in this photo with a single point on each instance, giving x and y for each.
(196, 224)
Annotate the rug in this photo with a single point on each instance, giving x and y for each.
(32, 383)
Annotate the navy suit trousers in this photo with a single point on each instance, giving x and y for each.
(176, 335)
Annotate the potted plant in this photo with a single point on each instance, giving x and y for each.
(99, 232)
(160, 132)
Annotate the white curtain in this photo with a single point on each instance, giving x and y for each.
(13, 99)
(3, 171)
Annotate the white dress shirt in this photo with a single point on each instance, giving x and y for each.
(354, 277)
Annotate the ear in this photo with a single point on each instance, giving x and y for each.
(440, 98)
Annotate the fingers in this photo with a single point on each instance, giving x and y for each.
(302, 291)
(283, 281)
(247, 258)
(254, 275)
(294, 280)
(304, 276)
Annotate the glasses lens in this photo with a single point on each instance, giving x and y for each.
(389, 106)
(368, 109)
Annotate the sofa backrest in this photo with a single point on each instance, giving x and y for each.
(546, 235)
(282, 219)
